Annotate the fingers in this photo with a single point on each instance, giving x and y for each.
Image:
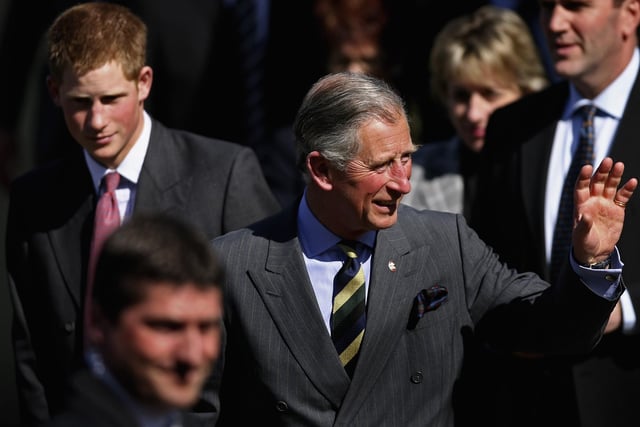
(623, 195)
(583, 184)
(608, 178)
(605, 182)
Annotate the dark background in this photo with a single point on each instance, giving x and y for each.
(8, 401)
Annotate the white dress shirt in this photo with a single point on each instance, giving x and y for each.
(129, 169)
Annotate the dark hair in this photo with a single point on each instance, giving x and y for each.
(148, 250)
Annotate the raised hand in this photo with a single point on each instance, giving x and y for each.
(599, 210)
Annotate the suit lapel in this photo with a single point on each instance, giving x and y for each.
(309, 340)
(625, 145)
(534, 161)
(533, 179)
(71, 239)
(625, 148)
(164, 184)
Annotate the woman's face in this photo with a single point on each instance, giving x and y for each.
(469, 105)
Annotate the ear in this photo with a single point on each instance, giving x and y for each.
(320, 170)
(631, 19)
(145, 79)
(54, 90)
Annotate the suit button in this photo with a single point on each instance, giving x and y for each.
(69, 327)
(281, 406)
(416, 378)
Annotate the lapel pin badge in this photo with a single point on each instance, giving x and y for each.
(392, 266)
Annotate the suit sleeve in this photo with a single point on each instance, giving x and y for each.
(30, 390)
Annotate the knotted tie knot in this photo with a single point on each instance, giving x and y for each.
(587, 113)
(107, 205)
(110, 181)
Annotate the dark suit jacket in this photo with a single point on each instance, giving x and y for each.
(215, 185)
(93, 403)
(281, 367)
(509, 215)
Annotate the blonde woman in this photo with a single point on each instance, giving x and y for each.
(479, 62)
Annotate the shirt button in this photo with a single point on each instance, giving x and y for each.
(281, 406)
(416, 378)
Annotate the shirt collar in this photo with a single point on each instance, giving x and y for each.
(131, 165)
(315, 238)
(613, 99)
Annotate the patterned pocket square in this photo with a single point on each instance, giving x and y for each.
(426, 300)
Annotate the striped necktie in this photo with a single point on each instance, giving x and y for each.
(564, 222)
(107, 220)
(348, 313)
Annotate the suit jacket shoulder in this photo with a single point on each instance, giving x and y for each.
(217, 185)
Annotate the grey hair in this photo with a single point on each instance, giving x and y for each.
(334, 110)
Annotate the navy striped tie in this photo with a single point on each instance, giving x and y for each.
(348, 314)
(564, 223)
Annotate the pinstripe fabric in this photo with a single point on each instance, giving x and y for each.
(281, 365)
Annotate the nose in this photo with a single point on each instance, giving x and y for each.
(193, 349)
(477, 109)
(400, 174)
(553, 19)
(96, 117)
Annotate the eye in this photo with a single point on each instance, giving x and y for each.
(460, 95)
(491, 94)
(80, 102)
(109, 99)
(406, 158)
(574, 5)
(383, 167)
(547, 6)
(164, 326)
(210, 326)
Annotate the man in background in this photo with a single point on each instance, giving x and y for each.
(100, 80)
(529, 148)
(155, 328)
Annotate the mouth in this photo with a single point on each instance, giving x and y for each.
(389, 206)
(100, 139)
(563, 49)
(478, 133)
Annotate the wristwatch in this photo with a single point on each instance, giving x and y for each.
(602, 265)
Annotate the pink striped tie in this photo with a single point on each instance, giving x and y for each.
(107, 219)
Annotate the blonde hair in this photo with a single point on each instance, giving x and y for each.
(491, 40)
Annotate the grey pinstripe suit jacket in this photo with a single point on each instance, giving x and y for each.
(280, 366)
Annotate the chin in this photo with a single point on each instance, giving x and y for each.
(386, 222)
(182, 399)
